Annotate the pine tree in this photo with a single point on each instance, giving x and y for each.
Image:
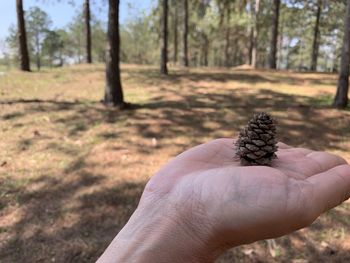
(113, 91)
(274, 34)
(164, 40)
(22, 37)
(175, 30)
(87, 18)
(254, 49)
(341, 97)
(185, 34)
(315, 43)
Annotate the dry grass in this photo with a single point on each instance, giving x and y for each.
(71, 170)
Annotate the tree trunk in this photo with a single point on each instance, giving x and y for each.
(22, 38)
(175, 33)
(301, 54)
(280, 47)
(256, 11)
(61, 58)
(250, 49)
(185, 35)
(38, 62)
(227, 47)
(37, 44)
(274, 34)
(341, 97)
(79, 49)
(113, 90)
(164, 40)
(251, 32)
(87, 31)
(288, 54)
(206, 50)
(315, 44)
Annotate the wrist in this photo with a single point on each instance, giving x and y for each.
(154, 234)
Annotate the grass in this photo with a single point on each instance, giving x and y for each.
(72, 171)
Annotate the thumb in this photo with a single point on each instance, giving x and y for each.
(331, 188)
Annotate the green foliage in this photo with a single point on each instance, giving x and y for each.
(56, 47)
(219, 34)
(53, 46)
(38, 24)
(297, 26)
(5, 59)
(73, 36)
(75, 41)
(12, 43)
(98, 35)
(139, 41)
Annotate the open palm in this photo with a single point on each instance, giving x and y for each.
(221, 201)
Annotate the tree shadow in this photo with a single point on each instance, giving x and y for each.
(301, 246)
(73, 215)
(152, 76)
(68, 217)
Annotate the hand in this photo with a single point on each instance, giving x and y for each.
(204, 201)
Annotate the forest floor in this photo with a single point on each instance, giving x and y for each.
(72, 170)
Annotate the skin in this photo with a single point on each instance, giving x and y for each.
(204, 202)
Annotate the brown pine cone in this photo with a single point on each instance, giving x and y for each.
(256, 144)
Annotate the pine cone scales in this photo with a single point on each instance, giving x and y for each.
(256, 144)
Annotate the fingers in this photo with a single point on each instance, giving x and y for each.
(282, 145)
(330, 188)
(303, 150)
(294, 151)
(225, 141)
(319, 162)
(326, 160)
(307, 162)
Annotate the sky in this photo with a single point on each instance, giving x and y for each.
(61, 13)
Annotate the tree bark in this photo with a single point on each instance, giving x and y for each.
(288, 54)
(256, 11)
(113, 90)
(227, 39)
(175, 33)
(280, 47)
(206, 50)
(341, 97)
(38, 61)
(227, 47)
(22, 38)
(250, 49)
(164, 40)
(251, 32)
(37, 47)
(315, 44)
(274, 34)
(185, 34)
(301, 54)
(87, 17)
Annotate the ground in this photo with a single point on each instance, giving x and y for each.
(72, 170)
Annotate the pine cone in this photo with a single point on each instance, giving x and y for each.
(256, 144)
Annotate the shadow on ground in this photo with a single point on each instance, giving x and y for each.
(87, 216)
(58, 225)
(298, 121)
